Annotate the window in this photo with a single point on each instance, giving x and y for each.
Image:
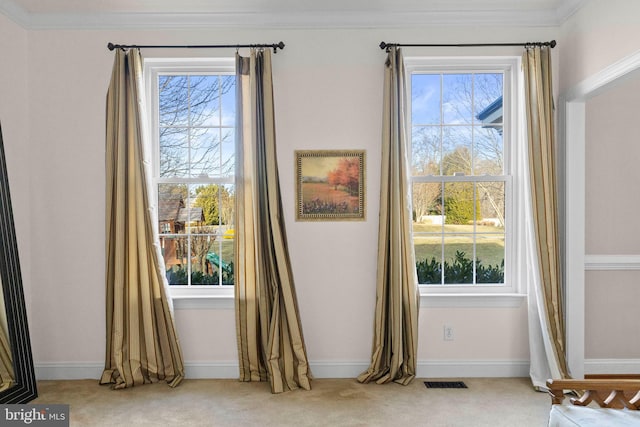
(192, 105)
(462, 134)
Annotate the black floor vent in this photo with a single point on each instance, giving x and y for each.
(445, 384)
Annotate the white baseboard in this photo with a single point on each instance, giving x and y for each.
(93, 370)
(320, 369)
(473, 368)
(219, 370)
(336, 369)
(68, 370)
(611, 366)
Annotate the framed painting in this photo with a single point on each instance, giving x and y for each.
(330, 185)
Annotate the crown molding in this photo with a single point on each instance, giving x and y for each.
(12, 11)
(568, 9)
(290, 19)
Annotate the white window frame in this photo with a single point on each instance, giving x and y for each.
(512, 292)
(192, 296)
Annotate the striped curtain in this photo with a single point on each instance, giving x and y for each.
(546, 293)
(270, 341)
(395, 342)
(142, 346)
(7, 375)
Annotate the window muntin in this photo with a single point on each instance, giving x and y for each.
(460, 179)
(193, 130)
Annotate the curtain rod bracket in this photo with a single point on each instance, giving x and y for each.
(276, 46)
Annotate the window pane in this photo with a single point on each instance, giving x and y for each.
(425, 99)
(205, 203)
(456, 150)
(491, 197)
(427, 205)
(457, 92)
(175, 253)
(204, 101)
(202, 252)
(205, 145)
(458, 259)
(173, 100)
(487, 97)
(228, 90)
(226, 233)
(174, 152)
(425, 146)
(216, 266)
(490, 258)
(227, 207)
(171, 199)
(488, 151)
(227, 153)
(460, 206)
(428, 252)
(226, 250)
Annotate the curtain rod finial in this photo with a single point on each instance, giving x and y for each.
(383, 45)
(111, 46)
(278, 45)
(552, 43)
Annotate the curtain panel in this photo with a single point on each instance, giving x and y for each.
(546, 304)
(7, 374)
(270, 341)
(394, 353)
(142, 345)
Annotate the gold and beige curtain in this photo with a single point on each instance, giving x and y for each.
(397, 298)
(546, 318)
(142, 346)
(270, 341)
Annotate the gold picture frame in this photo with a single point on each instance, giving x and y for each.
(330, 185)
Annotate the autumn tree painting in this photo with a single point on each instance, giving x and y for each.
(346, 175)
(330, 185)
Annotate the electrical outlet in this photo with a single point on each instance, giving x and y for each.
(448, 333)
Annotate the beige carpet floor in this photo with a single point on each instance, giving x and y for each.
(332, 402)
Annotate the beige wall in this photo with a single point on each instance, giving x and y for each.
(611, 315)
(14, 102)
(613, 175)
(328, 95)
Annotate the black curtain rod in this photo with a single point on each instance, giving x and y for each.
(275, 46)
(552, 44)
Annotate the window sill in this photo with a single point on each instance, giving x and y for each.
(464, 300)
(202, 298)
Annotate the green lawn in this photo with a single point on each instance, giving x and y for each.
(226, 254)
(489, 247)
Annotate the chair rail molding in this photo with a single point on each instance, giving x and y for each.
(611, 262)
